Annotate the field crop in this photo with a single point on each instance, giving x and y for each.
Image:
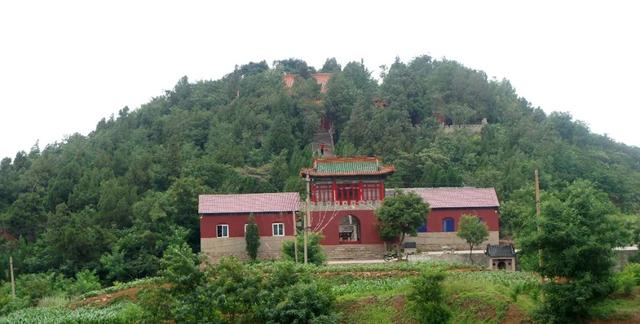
(123, 312)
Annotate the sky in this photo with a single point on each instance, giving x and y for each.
(64, 65)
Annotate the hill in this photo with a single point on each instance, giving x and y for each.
(114, 199)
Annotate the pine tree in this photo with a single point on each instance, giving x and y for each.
(252, 238)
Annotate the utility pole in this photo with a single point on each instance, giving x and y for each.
(13, 280)
(306, 223)
(537, 180)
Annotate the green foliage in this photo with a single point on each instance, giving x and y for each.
(124, 312)
(181, 267)
(252, 238)
(315, 254)
(111, 200)
(86, 281)
(235, 292)
(331, 66)
(427, 299)
(472, 230)
(401, 214)
(628, 278)
(576, 237)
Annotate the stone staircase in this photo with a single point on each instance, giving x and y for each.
(323, 137)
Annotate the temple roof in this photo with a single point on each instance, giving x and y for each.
(347, 166)
(462, 197)
(500, 251)
(249, 203)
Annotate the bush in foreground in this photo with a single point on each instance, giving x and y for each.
(427, 300)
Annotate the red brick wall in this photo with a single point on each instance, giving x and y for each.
(490, 216)
(236, 223)
(369, 222)
(368, 225)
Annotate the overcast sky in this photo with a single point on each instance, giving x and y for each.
(65, 65)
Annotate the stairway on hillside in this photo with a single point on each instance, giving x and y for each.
(322, 143)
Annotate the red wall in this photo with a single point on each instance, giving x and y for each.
(236, 223)
(368, 225)
(490, 216)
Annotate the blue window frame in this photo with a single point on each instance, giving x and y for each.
(448, 225)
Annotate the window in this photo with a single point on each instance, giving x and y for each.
(278, 229)
(322, 193)
(423, 228)
(371, 191)
(348, 192)
(448, 225)
(222, 230)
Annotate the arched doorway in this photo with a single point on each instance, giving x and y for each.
(502, 265)
(349, 229)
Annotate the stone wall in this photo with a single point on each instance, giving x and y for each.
(215, 248)
(437, 241)
(354, 252)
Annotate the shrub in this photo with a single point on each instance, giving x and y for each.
(625, 282)
(86, 281)
(564, 303)
(156, 305)
(315, 255)
(304, 302)
(634, 270)
(628, 278)
(427, 300)
(181, 267)
(252, 237)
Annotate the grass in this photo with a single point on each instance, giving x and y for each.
(620, 308)
(371, 287)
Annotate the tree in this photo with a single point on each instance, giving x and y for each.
(576, 236)
(330, 66)
(401, 214)
(472, 230)
(252, 237)
(426, 298)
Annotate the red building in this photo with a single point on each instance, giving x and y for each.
(343, 196)
(223, 219)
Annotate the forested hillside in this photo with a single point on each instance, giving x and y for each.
(113, 200)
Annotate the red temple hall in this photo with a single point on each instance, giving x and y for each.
(344, 193)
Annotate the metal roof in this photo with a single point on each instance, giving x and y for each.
(462, 197)
(249, 203)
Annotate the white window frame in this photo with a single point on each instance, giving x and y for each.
(245, 229)
(273, 229)
(222, 226)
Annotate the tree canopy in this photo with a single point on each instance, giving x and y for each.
(472, 230)
(401, 214)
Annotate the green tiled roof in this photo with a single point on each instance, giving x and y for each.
(347, 166)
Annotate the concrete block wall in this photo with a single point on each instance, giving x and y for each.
(436, 241)
(215, 248)
(354, 251)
